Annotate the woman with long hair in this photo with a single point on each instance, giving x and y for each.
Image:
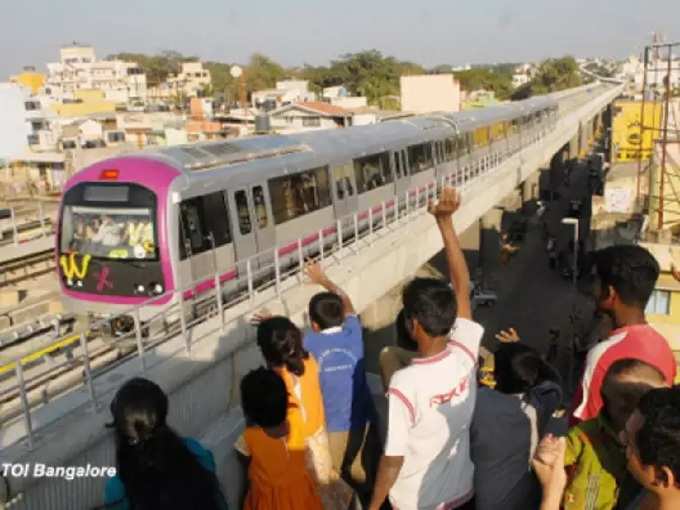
(508, 424)
(156, 468)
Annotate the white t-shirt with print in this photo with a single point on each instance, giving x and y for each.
(430, 409)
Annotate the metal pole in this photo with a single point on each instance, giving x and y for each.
(338, 226)
(356, 229)
(384, 215)
(642, 122)
(183, 323)
(321, 244)
(664, 146)
(370, 222)
(576, 239)
(88, 371)
(42, 219)
(15, 232)
(140, 344)
(219, 300)
(249, 275)
(301, 257)
(277, 271)
(19, 369)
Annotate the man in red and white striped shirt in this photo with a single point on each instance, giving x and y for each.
(624, 280)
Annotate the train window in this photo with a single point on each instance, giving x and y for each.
(481, 136)
(298, 194)
(450, 148)
(372, 171)
(244, 225)
(343, 181)
(420, 157)
(201, 217)
(260, 207)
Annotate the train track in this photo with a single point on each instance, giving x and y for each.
(28, 266)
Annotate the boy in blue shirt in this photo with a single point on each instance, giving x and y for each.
(336, 341)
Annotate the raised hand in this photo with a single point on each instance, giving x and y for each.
(260, 316)
(448, 203)
(548, 463)
(314, 272)
(507, 336)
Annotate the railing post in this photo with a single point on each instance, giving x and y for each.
(384, 215)
(88, 371)
(320, 244)
(277, 271)
(219, 300)
(408, 203)
(140, 344)
(370, 222)
(15, 231)
(356, 229)
(301, 257)
(183, 323)
(42, 219)
(338, 226)
(249, 275)
(19, 369)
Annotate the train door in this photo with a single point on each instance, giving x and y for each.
(265, 237)
(402, 180)
(344, 192)
(245, 242)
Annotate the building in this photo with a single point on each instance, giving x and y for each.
(430, 93)
(85, 102)
(330, 93)
(663, 308)
(522, 75)
(633, 70)
(30, 79)
(192, 81)
(286, 92)
(627, 142)
(79, 69)
(478, 99)
(309, 116)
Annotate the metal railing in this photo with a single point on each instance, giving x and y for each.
(254, 275)
(35, 219)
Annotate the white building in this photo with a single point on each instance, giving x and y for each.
(633, 70)
(192, 79)
(26, 124)
(78, 68)
(286, 92)
(430, 93)
(523, 75)
(309, 116)
(334, 92)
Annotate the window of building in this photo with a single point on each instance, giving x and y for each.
(115, 136)
(295, 195)
(260, 207)
(202, 218)
(244, 224)
(311, 121)
(420, 157)
(32, 106)
(68, 144)
(372, 171)
(659, 303)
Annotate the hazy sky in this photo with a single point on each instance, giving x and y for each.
(295, 32)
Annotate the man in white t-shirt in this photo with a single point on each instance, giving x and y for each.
(426, 464)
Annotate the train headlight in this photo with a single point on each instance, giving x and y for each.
(139, 288)
(157, 288)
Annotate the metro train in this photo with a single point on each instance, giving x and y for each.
(145, 224)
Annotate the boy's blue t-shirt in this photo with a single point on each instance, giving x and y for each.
(114, 491)
(340, 354)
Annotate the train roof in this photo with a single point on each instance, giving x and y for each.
(202, 158)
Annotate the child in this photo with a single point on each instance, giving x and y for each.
(595, 458)
(336, 340)
(157, 468)
(278, 476)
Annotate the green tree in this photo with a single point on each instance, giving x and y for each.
(552, 75)
(262, 73)
(500, 82)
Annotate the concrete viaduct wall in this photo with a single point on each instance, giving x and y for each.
(203, 386)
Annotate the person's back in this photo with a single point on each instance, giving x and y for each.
(507, 425)
(624, 279)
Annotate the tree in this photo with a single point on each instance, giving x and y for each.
(552, 75)
(262, 73)
(485, 78)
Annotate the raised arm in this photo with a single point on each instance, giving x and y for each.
(316, 275)
(443, 210)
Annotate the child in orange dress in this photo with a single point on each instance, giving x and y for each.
(279, 479)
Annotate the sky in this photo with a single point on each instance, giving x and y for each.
(295, 32)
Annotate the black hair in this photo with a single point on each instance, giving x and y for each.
(631, 270)
(432, 303)
(281, 344)
(326, 309)
(264, 397)
(658, 440)
(157, 469)
(518, 368)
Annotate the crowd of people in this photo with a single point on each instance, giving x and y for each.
(453, 440)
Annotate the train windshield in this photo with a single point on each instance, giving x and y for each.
(114, 233)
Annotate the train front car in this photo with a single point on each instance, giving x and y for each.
(112, 244)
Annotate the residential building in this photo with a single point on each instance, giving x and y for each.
(79, 69)
(85, 102)
(522, 75)
(330, 93)
(308, 116)
(663, 307)
(192, 80)
(633, 70)
(349, 102)
(286, 92)
(429, 93)
(30, 79)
